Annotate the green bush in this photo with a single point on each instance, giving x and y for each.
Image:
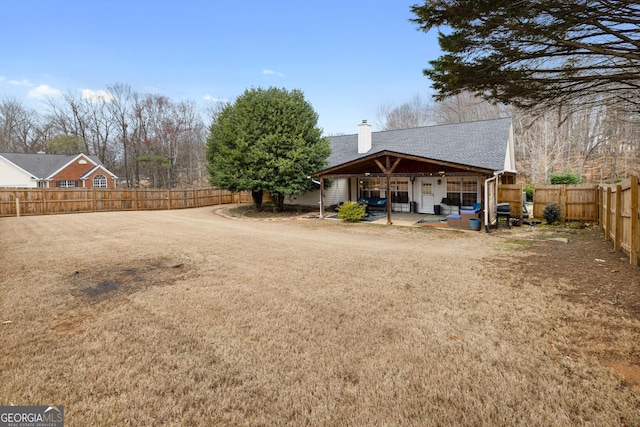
(351, 212)
(567, 177)
(551, 213)
(528, 190)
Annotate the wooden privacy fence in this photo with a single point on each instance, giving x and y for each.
(512, 194)
(46, 201)
(619, 216)
(577, 202)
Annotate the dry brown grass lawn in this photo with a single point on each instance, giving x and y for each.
(189, 318)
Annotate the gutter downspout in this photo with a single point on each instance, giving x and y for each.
(486, 197)
(321, 215)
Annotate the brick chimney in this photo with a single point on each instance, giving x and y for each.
(364, 137)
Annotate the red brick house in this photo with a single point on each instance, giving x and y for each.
(54, 171)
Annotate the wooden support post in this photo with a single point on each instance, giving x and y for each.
(321, 198)
(17, 204)
(633, 253)
(388, 199)
(618, 233)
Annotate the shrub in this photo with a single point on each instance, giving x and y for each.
(529, 191)
(351, 212)
(567, 177)
(551, 213)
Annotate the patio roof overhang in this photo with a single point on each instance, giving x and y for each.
(390, 163)
(393, 164)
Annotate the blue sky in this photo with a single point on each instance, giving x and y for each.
(348, 57)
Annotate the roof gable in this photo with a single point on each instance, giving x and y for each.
(45, 166)
(70, 160)
(88, 173)
(16, 167)
(485, 144)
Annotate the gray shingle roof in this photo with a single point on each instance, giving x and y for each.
(42, 165)
(481, 144)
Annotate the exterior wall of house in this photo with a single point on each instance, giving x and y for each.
(74, 170)
(111, 183)
(10, 176)
(338, 192)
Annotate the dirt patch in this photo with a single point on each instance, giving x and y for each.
(103, 282)
(630, 372)
(268, 212)
(593, 273)
(584, 269)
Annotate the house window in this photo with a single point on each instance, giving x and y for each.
(370, 187)
(100, 181)
(66, 184)
(462, 191)
(399, 190)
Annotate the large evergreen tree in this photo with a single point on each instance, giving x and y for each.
(528, 52)
(267, 140)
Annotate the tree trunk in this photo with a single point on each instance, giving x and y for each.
(278, 201)
(256, 195)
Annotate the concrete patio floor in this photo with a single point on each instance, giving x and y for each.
(412, 219)
(405, 219)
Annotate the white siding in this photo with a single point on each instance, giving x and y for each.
(339, 192)
(510, 157)
(11, 176)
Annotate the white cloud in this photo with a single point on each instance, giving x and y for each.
(23, 82)
(44, 91)
(214, 99)
(272, 73)
(98, 95)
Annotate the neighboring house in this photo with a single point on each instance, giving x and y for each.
(54, 170)
(433, 169)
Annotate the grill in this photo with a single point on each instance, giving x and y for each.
(504, 210)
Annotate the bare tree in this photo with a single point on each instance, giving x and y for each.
(538, 145)
(466, 107)
(21, 129)
(69, 117)
(121, 112)
(412, 114)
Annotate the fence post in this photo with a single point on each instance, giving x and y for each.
(95, 203)
(17, 204)
(618, 233)
(563, 201)
(600, 207)
(633, 253)
(44, 201)
(607, 215)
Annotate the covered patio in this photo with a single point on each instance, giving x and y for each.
(433, 170)
(413, 185)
